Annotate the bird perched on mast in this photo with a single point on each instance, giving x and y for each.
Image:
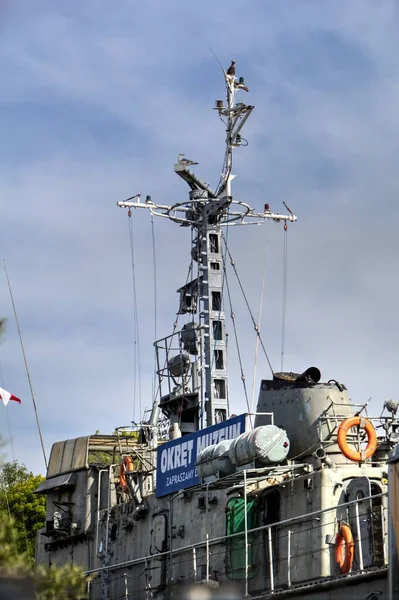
(232, 68)
(185, 161)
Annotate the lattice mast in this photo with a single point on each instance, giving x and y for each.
(207, 211)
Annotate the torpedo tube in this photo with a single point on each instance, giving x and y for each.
(266, 445)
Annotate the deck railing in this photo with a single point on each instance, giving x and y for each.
(279, 530)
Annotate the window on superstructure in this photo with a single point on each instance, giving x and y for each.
(220, 388)
(217, 330)
(213, 243)
(218, 357)
(216, 301)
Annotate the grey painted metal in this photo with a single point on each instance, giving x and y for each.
(297, 408)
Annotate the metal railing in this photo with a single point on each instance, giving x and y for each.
(279, 530)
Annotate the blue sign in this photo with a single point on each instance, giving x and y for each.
(176, 459)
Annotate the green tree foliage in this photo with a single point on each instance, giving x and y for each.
(27, 509)
(51, 583)
(11, 561)
(60, 583)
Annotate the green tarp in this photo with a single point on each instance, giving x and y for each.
(235, 547)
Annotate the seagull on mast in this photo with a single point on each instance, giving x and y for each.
(232, 68)
(185, 161)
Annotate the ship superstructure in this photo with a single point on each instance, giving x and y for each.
(287, 501)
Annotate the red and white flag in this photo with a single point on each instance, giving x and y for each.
(6, 397)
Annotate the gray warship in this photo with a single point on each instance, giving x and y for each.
(287, 501)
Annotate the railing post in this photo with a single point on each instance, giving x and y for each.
(108, 510)
(270, 545)
(207, 533)
(148, 593)
(194, 564)
(207, 558)
(246, 533)
(289, 559)
(126, 587)
(359, 539)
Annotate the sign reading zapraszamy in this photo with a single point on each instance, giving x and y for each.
(176, 459)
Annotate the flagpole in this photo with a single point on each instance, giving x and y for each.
(26, 366)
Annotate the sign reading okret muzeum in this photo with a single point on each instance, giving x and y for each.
(176, 459)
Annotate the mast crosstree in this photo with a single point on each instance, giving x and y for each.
(207, 211)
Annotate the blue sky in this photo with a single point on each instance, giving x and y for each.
(97, 101)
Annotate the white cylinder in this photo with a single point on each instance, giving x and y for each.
(215, 459)
(266, 444)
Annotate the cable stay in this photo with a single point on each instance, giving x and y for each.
(26, 366)
(237, 344)
(136, 334)
(259, 321)
(232, 262)
(284, 298)
(154, 265)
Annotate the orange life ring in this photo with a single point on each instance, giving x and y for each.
(126, 465)
(371, 438)
(344, 563)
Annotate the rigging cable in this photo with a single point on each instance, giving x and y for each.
(136, 353)
(284, 301)
(237, 344)
(257, 338)
(154, 264)
(26, 366)
(249, 308)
